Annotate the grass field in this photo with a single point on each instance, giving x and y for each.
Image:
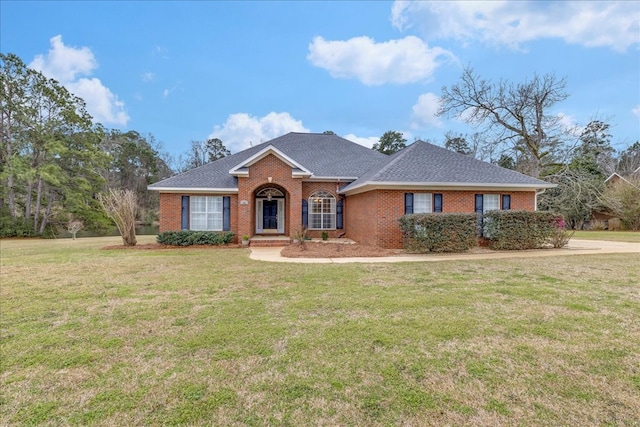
(616, 236)
(210, 337)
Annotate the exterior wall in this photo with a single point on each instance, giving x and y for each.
(372, 217)
(259, 174)
(360, 215)
(171, 210)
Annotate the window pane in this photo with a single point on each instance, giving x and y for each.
(490, 202)
(322, 211)
(206, 213)
(421, 202)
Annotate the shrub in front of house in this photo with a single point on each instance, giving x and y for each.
(518, 230)
(191, 238)
(438, 232)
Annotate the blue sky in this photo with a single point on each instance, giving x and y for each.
(247, 72)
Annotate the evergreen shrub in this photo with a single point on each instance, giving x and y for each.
(191, 238)
(438, 232)
(519, 230)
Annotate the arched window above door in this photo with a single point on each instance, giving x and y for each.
(269, 193)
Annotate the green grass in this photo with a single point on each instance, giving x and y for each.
(615, 236)
(210, 337)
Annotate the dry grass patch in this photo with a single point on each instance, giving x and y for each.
(209, 337)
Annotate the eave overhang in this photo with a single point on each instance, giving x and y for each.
(202, 190)
(455, 186)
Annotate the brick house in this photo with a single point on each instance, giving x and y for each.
(327, 183)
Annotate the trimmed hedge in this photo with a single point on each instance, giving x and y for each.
(438, 232)
(190, 238)
(518, 230)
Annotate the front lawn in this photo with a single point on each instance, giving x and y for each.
(614, 236)
(210, 337)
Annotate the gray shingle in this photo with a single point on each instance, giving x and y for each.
(424, 163)
(324, 155)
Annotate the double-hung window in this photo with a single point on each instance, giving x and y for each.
(206, 213)
(490, 202)
(422, 203)
(322, 211)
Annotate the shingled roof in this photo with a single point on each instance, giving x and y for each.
(424, 164)
(324, 156)
(320, 156)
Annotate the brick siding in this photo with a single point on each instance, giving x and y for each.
(369, 218)
(372, 217)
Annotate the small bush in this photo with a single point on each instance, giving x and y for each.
(190, 238)
(518, 230)
(438, 232)
(560, 236)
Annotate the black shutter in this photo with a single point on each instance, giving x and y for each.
(305, 213)
(339, 216)
(408, 203)
(479, 206)
(506, 202)
(479, 203)
(226, 213)
(185, 213)
(437, 202)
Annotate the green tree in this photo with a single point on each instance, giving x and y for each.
(50, 150)
(506, 161)
(215, 149)
(200, 153)
(390, 142)
(594, 149)
(135, 162)
(458, 143)
(515, 115)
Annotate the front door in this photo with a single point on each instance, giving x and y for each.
(270, 215)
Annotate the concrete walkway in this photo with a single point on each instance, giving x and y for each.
(575, 247)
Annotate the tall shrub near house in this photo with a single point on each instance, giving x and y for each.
(438, 232)
(122, 206)
(518, 230)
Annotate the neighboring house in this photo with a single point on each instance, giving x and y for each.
(327, 183)
(603, 218)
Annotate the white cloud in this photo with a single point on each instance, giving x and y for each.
(405, 60)
(66, 64)
(425, 110)
(102, 104)
(367, 141)
(591, 24)
(148, 77)
(636, 111)
(242, 130)
(569, 124)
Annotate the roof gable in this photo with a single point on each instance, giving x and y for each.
(311, 155)
(241, 169)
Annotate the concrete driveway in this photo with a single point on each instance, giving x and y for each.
(575, 247)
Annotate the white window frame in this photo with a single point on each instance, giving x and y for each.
(422, 203)
(322, 211)
(206, 213)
